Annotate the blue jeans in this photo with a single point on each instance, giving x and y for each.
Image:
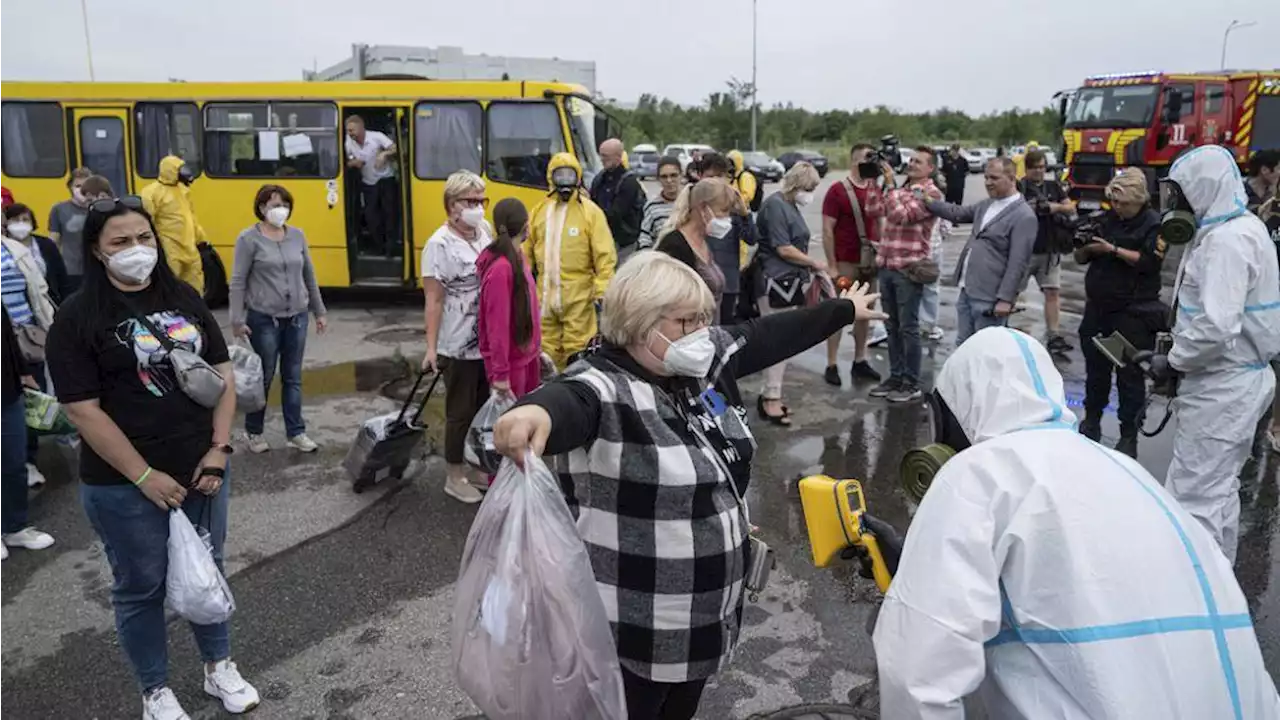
(279, 341)
(971, 316)
(900, 298)
(13, 466)
(135, 535)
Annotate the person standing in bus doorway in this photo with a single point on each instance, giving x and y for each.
(573, 258)
(168, 202)
(373, 154)
(66, 224)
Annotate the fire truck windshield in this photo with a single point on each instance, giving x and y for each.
(1122, 106)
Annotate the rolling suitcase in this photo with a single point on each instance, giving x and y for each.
(386, 444)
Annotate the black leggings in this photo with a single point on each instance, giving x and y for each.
(649, 700)
(465, 390)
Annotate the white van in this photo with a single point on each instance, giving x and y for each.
(684, 151)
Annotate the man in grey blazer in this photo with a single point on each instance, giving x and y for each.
(997, 255)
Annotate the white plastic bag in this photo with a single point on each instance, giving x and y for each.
(479, 451)
(251, 393)
(531, 640)
(194, 587)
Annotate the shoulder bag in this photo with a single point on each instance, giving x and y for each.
(867, 253)
(197, 378)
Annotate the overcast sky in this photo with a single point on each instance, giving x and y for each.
(976, 55)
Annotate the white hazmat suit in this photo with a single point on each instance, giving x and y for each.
(1055, 575)
(1226, 333)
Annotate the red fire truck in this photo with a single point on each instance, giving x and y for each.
(1146, 119)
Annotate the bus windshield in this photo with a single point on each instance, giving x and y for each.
(1123, 106)
(582, 125)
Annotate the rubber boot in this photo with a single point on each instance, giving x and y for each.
(1091, 426)
(1128, 444)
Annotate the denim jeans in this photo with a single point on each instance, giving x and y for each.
(971, 316)
(279, 341)
(929, 305)
(13, 468)
(900, 298)
(135, 535)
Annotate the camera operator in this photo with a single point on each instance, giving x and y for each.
(1053, 211)
(1122, 293)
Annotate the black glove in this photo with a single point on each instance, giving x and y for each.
(890, 545)
(1157, 367)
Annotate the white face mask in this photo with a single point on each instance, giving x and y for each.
(804, 198)
(19, 230)
(691, 355)
(133, 265)
(718, 227)
(472, 216)
(278, 215)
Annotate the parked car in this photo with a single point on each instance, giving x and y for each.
(644, 163)
(765, 168)
(817, 160)
(684, 151)
(978, 158)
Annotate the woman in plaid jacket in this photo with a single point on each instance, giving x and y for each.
(649, 438)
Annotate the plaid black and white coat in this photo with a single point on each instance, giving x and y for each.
(646, 464)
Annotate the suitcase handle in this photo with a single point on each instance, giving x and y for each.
(417, 415)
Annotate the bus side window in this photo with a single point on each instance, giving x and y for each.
(447, 138)
(33, 140)
(275, 139)
(522, 137)
(162, 129)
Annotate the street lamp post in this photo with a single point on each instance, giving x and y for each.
(753, 75)
(88, 47)
(1235, 25)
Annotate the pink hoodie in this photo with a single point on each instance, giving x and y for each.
(501, 357)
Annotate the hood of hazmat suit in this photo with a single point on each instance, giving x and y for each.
(1227, 331)
(168, 202)
(572, 255)
(1055, 576)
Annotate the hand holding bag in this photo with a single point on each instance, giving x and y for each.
(251, 392)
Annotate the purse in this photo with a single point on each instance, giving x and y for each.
(924, 272)
(31, 342)
(196, 378)
(867, 253)
(788, 290)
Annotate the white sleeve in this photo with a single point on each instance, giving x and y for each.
(349, 145)
(943, 604)
(433, 259)
(383, 141)
(1223, 276)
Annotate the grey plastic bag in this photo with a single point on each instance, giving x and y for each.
(251, 392)
(194, 587)
(479, 450)
(531, 640)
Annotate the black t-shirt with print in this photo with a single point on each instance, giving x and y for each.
(123, 366)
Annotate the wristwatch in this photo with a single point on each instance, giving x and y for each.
(224, 448)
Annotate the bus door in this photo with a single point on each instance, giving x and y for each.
(101, 144)
(377, 206)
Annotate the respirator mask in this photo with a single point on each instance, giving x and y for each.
(920, 465)
(565, 181)
(1178, 224)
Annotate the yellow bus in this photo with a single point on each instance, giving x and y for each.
(238, 136)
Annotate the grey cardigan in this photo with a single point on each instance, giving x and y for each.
(273, 278)
(999, 255)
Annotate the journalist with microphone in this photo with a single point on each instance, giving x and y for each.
(1124, 253)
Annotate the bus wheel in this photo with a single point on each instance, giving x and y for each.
(216, 291)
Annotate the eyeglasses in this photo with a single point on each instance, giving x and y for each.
(474, 202)
(697, 322)
(106, 206)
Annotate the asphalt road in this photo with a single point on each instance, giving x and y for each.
(344, 601)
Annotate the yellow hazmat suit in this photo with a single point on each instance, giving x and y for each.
(1020, 161)
(572, 255)
(745, 184)
(167, 201)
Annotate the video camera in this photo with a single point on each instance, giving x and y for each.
(1087, 228)
(888, 151)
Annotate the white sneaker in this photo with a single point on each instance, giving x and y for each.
(162, 705)
(461, 490)
(226, 684)
(937, 333)
(257, 444)
(34, 476)
(4, 551)
(302, 443)
(878, 334)
(29, 538)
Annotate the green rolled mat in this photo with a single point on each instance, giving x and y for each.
(920, 465)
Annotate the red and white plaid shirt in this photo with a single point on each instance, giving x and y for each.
(908, 225)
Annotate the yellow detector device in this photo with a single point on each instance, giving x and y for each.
(833, 511)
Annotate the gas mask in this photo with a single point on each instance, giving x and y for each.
(565, 181)
(920, 465)
(1178, 223)
(185, 175)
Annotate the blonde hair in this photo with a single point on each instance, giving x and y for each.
(1130, 186)
(714, 192)
(645, 288)
(463, 181)
(800, 176)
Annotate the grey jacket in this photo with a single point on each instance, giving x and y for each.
(1000, 255)
(273, 278)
